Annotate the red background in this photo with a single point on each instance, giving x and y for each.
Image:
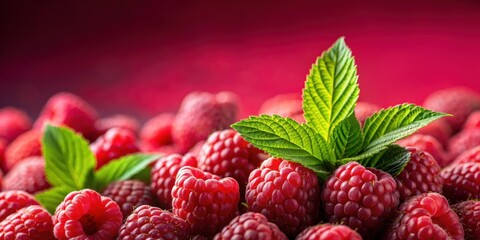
(139, 58)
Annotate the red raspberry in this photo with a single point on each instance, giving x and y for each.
(116, 142)
(201, 114)
(426, 216)
(13, 122)
(463, 141)
(31, 222)
(363, 110)
(157, 132)
(116, 121)
(205, 201)
(66, 109)
(459, 102)
(473, 121)
(195, 150)
(250, 226)
(461, 181)
(472, 155)
(469, 214)
(428, 144)
(285, 105)
(86, 214)
(420, 175)
(147, 222)
(26, 145)
(329, 231)
(1, 179)
(28, 175)
(287, 193)
(227, 154)
(12, 201)
(439, 129)
(129, 194)
(164, 173)
(361, 198)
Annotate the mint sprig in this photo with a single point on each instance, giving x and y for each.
(332, 135)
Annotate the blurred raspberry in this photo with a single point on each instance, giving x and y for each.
(428, 144)
(13, 122)
(250, 226)
(195, 150)
(32, 223)
(439, 129)
(472, 155)
(129, 194)
(157, 132)
(469, 214)
(3, 146)
(363, 110)
(473, 121)
(115, 143)
(461, 181)
(116, 121)
(26, 145)
(14, 200)
(328, 231)
(463, 141)
(285, 105)
(28, 175)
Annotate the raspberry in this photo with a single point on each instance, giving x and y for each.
(420, 175)
(205, 201)
(195, 150)
(164, 173)
(285, 105)
(426, 216)
(12, 201)
(473, 121)
(116, 121)
(66, 109)
(200, 114)
(157, 132)
(26, 145)
(129, 194)
(439, 129)
(28, 175)
(361, 198)
(227, 154)
(428, 144)
(31, 222)
(287, 193)
(329, 231)
(86, 214)
(13, 122)
(1, 179)
(469, 214)
(363, 110)
(250, 226)
(463, 141)
(461, 181)
(147, 222)
(115, 143)
(472, 155)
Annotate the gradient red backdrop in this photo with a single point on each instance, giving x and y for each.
(139, 58)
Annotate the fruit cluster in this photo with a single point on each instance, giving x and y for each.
(310, 171)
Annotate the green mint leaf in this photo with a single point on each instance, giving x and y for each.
(285, 138)
(123, 168)
(391, 160)
(331, 90)
(392, 124)
(52, 197)
(347, 138)
(68, 159)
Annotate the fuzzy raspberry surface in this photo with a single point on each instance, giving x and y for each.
(463, 141)
(32, 222)
(205, 201)
(469, 214)
(102, 125)
(328, 232)
(472, 155)
(86, 214)
(473, 121)
(428, 144)
(157, 132)
(26, 145)
(426, 217)
(250, 225)
(147, 222)
(13, 122)
(461, 181)
(285, 105)
(287, 193)
(14, 200)
(115, 143)
(361, 198)
(28, 175)
(363, 110)
(129, 194)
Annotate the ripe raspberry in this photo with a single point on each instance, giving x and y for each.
(472, 155)
(420, 175)
(439, 129)
(463, 141)
(147, 222)
(129, 194)
(426, 216)
(427, 144)
(361, 198)
(205, 201)
(469, 214)
(116, 142)
(250, 226)
(459, 102)
(26, 145)
(1, 179)
(329, 231)
(227, 154)
(86, 214)
(28, 175)
(163, 176)
(116, 121)
(201, 114)
(285, 105)
(473, 121)
(31, 222)
(13, 122)
(66, 109)
(287, 193)
(461, 181)
(12, 201)
(157, 132)
(195, 150)
(363, 110)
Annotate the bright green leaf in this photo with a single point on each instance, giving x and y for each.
(52, 197)
(331, 90)
(391, 160)
(347, 139)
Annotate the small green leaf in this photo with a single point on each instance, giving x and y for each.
(287, 139)
(123, 168)
(391, 160)
(52, 197)
(68, 159)
(331, 90)
(347, 138)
